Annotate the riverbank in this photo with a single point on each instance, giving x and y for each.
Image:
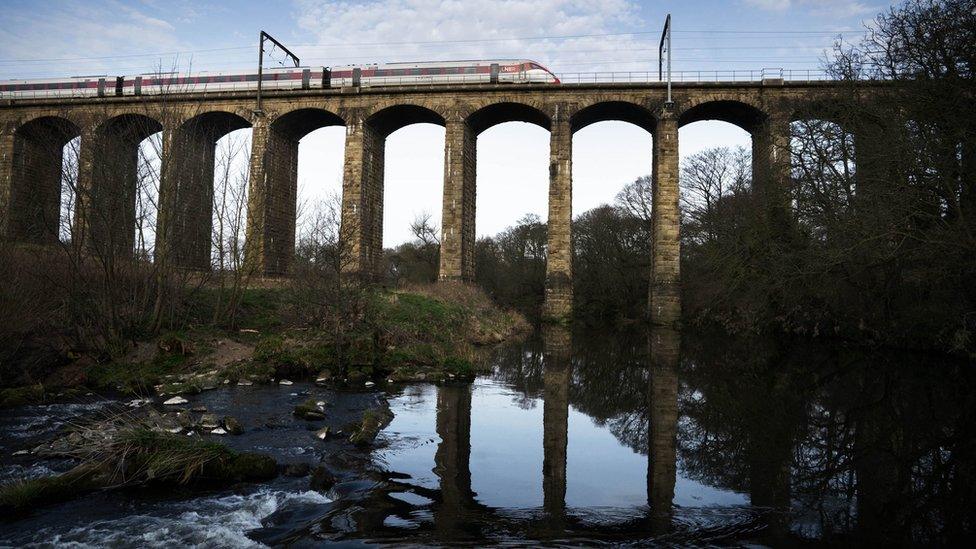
(434, 332)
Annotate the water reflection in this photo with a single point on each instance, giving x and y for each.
(679, 438)
(662, 442)
(452, 460)
(557, 343)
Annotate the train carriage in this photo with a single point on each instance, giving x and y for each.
(202, 82)
(443, 72)
(502, 71)
(75, 86)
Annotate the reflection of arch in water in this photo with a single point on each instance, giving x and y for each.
(555, 421)
(662, 405)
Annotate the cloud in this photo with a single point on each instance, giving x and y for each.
(771, 5)
(836, 8)
(52, 31)
(375, 31)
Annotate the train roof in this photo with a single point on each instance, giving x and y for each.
(397, 64)
(453, 63)
(448, 62)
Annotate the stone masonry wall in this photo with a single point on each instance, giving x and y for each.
(559, 262)
(665, 290)
(458, 225)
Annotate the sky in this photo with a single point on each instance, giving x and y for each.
(66, 38)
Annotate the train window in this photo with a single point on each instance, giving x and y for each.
(470, 70)
(415, 72)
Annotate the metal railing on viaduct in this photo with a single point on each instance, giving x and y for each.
(34, 132)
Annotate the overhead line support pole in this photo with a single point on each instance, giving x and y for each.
(665, 46)
(262, 37)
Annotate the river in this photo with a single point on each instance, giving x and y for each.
(663, 437)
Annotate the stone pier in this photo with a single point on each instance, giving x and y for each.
(665, 288)
(559, 263)
(457, 221)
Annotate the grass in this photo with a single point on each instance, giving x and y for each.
(137, 377)
(19, 396)
(433, 330)
(151, 456)
(139, 456)
(21, 496)
(259, 309)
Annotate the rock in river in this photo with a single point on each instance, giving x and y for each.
(209, 421)
(310, 410)
(233, 426)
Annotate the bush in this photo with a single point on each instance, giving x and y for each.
(21, 395)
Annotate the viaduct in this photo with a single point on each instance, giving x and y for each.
(34, 132)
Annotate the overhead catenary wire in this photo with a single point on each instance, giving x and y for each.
(562, 51)
(433, 42)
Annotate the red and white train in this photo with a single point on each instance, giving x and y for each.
(518, 71)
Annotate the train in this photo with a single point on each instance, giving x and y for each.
(514, 71)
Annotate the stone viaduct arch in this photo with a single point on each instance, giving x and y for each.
(36, 178)
(463, 126)
(107, 183)
(769, 129)
(273, 186)
(185, 223)
(363, 177)
(112, 128)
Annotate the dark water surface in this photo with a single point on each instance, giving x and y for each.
(664, 438)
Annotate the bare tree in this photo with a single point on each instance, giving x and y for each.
(233, 274)
(635, 198)
(424, 230)
(708, 179)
